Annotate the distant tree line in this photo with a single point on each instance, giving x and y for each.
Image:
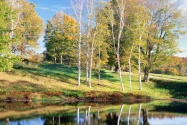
(176, 66)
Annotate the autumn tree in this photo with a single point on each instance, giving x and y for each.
(26, 26)
(6, 58)
(136, 34)
(60, 37)
(78, 6)
(165, 26)
(117, 8)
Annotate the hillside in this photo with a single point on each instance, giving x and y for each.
(59, 82)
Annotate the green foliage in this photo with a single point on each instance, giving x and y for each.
(6, 58)
(26, 27)
(60, 37)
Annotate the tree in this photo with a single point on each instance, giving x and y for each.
(102, 45)
(137, 27)
(59, 38)
(78, 7)
(6, 58)
(165, 27)
(116, 38)
(26, 26)
(89, 38)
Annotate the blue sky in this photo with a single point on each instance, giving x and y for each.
(46, 9)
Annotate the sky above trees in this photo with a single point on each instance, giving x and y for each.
(46, 9)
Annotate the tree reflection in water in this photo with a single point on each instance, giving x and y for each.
(145, 117)
(111, 119)
(129, 112)
(136, 114)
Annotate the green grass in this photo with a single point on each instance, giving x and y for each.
(56, 81)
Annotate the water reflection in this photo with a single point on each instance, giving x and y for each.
(95, 114)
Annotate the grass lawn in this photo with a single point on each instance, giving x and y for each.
(58, 82)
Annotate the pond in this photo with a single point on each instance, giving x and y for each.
(147, 113)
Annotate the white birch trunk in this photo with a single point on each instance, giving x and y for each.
(130, 68)
(91, 59)
(90, 12)
(117, 52)
(120, 10)
(79, 61)
(78, 6)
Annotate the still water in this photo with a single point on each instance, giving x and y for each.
(149, 113)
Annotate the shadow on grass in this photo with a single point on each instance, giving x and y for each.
(65, 73)
(176, 88)
(55, 71)
(59, 67)
(105, 75)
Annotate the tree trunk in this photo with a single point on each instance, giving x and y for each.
(61, 59)
(119, 71)
(99, 75)
(87, 66)
(121, 27)
(91, 59)
(139, 66)
(55, 60)
(90, 79)
(146, 75)
(130, 68)
(79, 61)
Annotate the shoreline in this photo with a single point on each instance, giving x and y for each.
(91, 100)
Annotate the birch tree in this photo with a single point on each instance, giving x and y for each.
(26, 26)
(78, 6)
(120, 11)
(89, 23)
(141, 23)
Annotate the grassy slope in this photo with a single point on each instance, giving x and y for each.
(55, 81)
